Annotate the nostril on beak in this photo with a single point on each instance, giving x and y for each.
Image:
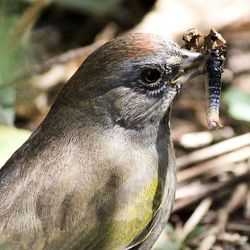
(190, 58)
(190, 67)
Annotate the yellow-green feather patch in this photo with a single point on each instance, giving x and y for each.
(118, 233)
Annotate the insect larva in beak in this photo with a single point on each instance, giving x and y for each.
(214, 61)
(214, 51)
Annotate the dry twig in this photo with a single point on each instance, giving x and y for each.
(214, 150)
(237, 200)
(224, 160)
(213, 190)
(195, 218)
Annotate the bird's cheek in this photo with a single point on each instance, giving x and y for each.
(171, 92)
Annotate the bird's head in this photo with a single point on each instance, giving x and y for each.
(133, 79)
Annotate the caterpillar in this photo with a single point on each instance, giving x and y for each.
(214, 51)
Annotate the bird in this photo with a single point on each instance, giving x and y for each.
(99, 172)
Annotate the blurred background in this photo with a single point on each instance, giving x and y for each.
(43, 42)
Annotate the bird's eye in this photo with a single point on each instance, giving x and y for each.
(150, 75)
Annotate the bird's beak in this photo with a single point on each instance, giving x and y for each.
(190, 67)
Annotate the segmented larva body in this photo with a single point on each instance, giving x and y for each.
(214, 51)
(214, 61)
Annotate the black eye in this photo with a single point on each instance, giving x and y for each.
(150, 75)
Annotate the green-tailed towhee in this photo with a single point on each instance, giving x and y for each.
(99, 172)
